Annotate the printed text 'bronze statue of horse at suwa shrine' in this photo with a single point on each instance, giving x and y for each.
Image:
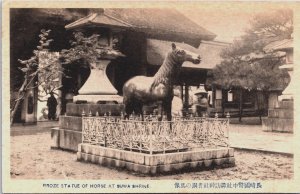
(141, 90)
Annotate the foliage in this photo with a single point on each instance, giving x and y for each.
(49, 74)
(31, 70)
(88, 49)
(246, 65)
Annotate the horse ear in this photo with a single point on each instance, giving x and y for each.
(173, 46)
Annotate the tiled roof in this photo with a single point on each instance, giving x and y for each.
(164, 24)
(100, 19)
(208, 50)
(280, 45)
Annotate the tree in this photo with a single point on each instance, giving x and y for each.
(31, 70)
(245, 65)
(49, 78)
(88, 49)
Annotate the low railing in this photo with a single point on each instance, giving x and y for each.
(153, 136)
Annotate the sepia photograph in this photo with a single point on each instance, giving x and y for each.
(141, 97)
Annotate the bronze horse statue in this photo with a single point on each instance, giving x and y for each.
(141, 90)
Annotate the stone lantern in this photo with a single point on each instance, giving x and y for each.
(281, 118)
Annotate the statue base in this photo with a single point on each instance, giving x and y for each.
(193, 160)
(280, 119)
(69, 133)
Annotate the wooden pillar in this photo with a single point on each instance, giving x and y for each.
(181, 92)
(213, 96)
(186, 97)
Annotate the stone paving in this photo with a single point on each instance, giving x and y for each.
(253, 138)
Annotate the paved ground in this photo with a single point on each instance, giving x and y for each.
(32, 158)
(30, 129)
(252, 137)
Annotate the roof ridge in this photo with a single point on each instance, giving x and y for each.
(217, 43)
(89, 17)
(119, 20)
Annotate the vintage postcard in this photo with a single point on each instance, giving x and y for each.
(150, 97)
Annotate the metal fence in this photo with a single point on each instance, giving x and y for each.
(153, 136)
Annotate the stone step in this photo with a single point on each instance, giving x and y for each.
(65, 139)
(289, 104)
(278, 124)
(281, 113)
(195, 160)
(77, 109)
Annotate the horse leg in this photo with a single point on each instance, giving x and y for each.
(160, 111)
(168, 109)
(138, 109)
(141, 110)
(128, 110)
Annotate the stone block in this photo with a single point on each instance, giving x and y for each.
(129, 166)
(54, 138)
(85, 157)
(95, 151)
(194, 164)
(69, 139)
(73, 109)
(165, 168)
(144, 169)
(117, 163)
(278, 124)
(153, 170)
(79, 156)
(121, 164)
(94, 159)
(84, 147)
(218, 161)
(289, 104)
(171, 158)
(230, 152)
(198, 156)
(231, 161)
(137, 168)
(100, 161)
(79, 148)
(70, 123)
(89, 157)
(133, 164)
(200, 164)
(207, 163)
(281, 113)
(138, 158)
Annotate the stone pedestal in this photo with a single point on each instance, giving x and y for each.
(280, 119)
(69, 133)
(193, 160)
(98, 96)
(98, 88)
(287, 94)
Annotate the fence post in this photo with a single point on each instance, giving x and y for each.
(83, 130)
(150, 134)
(228, 120)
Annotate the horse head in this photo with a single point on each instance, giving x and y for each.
(184, 55)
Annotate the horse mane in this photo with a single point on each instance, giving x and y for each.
(166, 72)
